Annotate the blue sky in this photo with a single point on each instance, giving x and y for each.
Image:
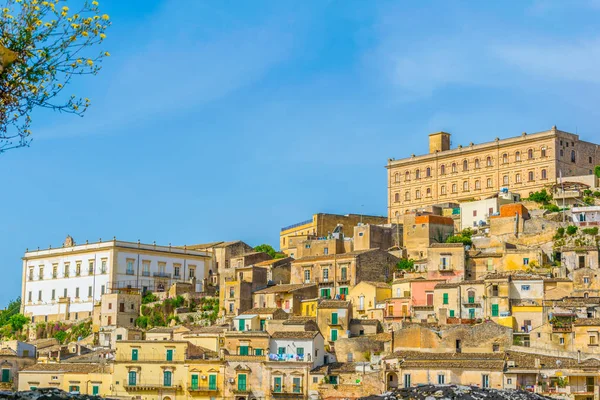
(228, 120)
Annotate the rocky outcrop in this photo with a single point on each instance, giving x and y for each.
(458, 392)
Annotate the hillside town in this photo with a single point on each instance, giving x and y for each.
(484, 272)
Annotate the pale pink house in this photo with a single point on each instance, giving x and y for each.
(411, 297)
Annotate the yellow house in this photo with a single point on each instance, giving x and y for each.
(205, 378)
(309, 307)
(94, 379)
(371, 293)
(161, 370)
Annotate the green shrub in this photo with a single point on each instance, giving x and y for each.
(560, 232)
(587, 192)
(61, 336)
(597, 171)
(460, 239)
(142, 322)
(551, 207)
(405, 264)
(590, 231)
(149, 297)
(571, 230)
(597, 194)
(542, 197)
(588, 200)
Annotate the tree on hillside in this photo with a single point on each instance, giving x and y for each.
(43, 45)
(267, 248)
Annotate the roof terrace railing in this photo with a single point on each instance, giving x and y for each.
(285, 228)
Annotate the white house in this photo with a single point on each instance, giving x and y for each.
(476, 213)
(586, 216)
(303, 346)
(64, 283)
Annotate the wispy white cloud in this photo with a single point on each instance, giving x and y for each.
(577, 60)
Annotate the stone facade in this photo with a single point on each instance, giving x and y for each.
(522, 164)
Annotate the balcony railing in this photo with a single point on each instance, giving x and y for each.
(144, 385)
(161, 275)
(145, 273)
(562, 329)
(285, 228)
(196, 388)
(242, 390)
(445, 268)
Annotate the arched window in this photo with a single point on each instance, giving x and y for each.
(518, 156)
(471, 296)
(518, 178)
(428, 172)
(465, 186)
(407, 176)
(477, 163)
(489, 182)
(505, 180)
(465, 165)
(572, 155)
(417, 194)
(407, 195)
(488, 161)
(477, 185)
(397, 177)
(443, 170)
(428, 192)
(454, 188)
(544, 176)
(543, 152)
(443, 189)
(530, 176)
(504, 158)
(417, 174)
(397, 197)
(453, 167)
(530, 154)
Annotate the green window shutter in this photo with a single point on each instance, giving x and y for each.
(300, 351)
(262, 324)
(495, 311)
(241, 325)
(167, 379)
(194, 381)
(334, 335)
(132, 378)
(471, 313)
(169, 355)
(6, 375)
(297, 385)
(471, 300)
(212, 382)
(134, 354)
(445, 298)
(277, 385)
(95, 390)
(334, 318)
(451, 313)
(243, 350)
(242, 382)
(258, 352)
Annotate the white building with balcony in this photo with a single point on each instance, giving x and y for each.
(64, 283)
(299, 346)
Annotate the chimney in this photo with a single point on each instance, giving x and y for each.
(439, 141)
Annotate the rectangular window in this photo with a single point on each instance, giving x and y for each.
(53, 294)
(130, 267)
(91, 268)
(231, 292)
(54, 271)
(103, 266)
(195, 381)
(526, 261)
(334, 318)
(406, 380)
(169, 355)
(525, 288)
(242, 382)
(66, 270)
(134, 354)
(334, 335)
(95, 390)
(145, 268)
(300, 351)
(281, 350)
(90, 291)
(243, 350)
(258, 352)
(76, 293)
(451, 313)
(176, 271)
(78, 269)
(65, 293)
(6, 375)
(297, 385)
(495, 311)
(29, 296)
(193, 275)
(441, 379)
(132, 378)
(102, 289)
(445, 300)
(212, 382)
(74, 389)
(277, 384)
(325, 274)
(485, 381)
(41, 273)
(167, 375)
